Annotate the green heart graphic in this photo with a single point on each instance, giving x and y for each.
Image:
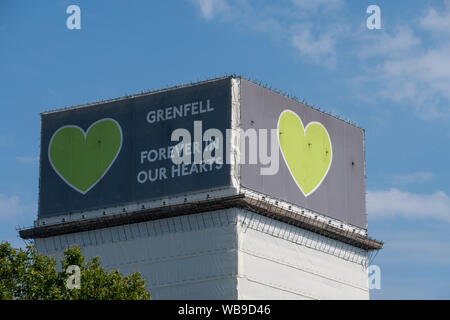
(81, 158)
(306, 151)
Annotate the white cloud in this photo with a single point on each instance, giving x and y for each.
(421, 81)
(212, 8)
(437, 22)
(382, 43)
(282, 22)
(319, 47)
(242, 13)
(316, 4)
(10, 206)
(409, 70)
(415, 177)
(408, 67)
(401, 64)
(27, 159)
(397, 203)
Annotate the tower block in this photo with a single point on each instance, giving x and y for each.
(222, 189)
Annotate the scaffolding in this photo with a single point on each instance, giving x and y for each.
(260, 206)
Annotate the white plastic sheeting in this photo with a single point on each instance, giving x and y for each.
(281, 261)
(224, 254)
(187, 257)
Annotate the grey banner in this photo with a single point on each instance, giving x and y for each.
(136, 133)
(341, 194)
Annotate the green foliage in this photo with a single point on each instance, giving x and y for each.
(25, 274)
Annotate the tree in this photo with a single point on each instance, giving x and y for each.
(25, 274)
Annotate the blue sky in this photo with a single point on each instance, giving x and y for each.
(394, 82)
